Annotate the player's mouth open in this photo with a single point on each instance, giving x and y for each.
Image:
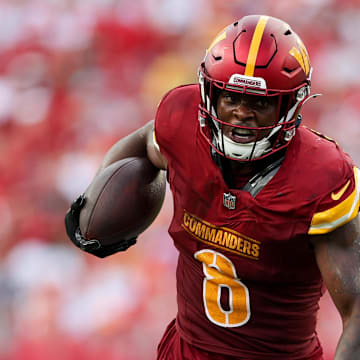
(242, 136)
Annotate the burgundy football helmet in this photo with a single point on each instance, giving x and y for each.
(260, 56)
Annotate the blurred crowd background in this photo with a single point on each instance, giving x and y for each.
(77, 75)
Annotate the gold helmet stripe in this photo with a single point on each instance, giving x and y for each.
(254, 46)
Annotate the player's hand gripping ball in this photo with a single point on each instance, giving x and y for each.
(120, 203)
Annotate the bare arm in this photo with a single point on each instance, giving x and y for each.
(338, 257)
(139, 143)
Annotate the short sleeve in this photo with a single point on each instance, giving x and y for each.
(174, 117)
(338, 207)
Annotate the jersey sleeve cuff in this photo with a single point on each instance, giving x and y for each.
(328, 220)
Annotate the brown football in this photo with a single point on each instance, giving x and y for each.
(122, 201)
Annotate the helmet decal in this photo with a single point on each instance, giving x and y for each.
(301, 55)
(250, 81)
(255, 44)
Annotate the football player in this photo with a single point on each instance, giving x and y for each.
(265, 209)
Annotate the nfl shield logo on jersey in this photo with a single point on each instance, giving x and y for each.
(229, 201)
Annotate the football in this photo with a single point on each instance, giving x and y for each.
(122, 201)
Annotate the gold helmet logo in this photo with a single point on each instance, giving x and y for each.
(301, 55)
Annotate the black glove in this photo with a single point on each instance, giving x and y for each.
(91, 246)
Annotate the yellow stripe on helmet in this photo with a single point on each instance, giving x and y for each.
(254, 46)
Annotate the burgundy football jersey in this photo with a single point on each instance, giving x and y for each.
(247, 280)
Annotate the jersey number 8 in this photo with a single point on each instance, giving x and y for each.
(220, 273)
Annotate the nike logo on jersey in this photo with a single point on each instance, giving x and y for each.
(336, 196)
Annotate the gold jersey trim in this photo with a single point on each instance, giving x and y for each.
(155, 141)
(328, 220)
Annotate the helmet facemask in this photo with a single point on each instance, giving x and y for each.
(279, 133)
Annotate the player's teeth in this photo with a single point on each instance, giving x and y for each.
(241, 133)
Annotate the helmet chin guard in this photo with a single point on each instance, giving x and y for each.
(252, 150)
(257, 56)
